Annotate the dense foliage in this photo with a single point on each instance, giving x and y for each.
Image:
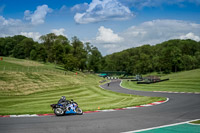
(72, 55)
(170, 56)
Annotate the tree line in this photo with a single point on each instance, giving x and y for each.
(169, 56)
(74, 55)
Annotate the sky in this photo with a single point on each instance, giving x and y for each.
(110, 25)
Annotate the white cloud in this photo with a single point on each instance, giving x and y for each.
(106, 35)
(10, 27)
(103, 10)
(156, 31)
(110, 46)
(63, 8)
(39, 14)
(34, 35)
(80, 7)
(7, 22)
(190, 36)
(59, 31)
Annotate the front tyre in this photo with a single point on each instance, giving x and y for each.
(79, 111)
(59, 111)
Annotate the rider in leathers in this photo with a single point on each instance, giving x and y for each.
(63, 101)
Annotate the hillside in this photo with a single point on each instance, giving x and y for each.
(28, 87)
(187, 81)
(166, 57)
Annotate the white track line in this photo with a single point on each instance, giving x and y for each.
(141, 130)
(26, 115)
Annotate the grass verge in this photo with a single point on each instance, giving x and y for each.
(32, 92)
(187, 81)
(195, 122)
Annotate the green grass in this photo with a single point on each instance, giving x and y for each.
(195, 122)
(187, 81)
(21, 65)
(32, 90)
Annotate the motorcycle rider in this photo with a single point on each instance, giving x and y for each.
(63, 101)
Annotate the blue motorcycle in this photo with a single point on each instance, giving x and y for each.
(70, 108)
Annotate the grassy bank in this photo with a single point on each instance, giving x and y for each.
(195, 122)
(28, 87)
(187, 81)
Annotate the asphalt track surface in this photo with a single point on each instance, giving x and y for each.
(179, 108)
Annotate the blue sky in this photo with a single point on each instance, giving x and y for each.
(110, 25)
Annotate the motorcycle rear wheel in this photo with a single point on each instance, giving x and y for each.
(59, 112)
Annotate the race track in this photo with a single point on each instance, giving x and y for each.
(179, 108)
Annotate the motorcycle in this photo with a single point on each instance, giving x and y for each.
(70, 108)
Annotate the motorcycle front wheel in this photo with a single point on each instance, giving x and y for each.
(79, 111)
(59, 111)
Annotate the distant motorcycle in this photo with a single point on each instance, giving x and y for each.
(70, 108)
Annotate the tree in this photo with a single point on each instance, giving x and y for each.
(188, 47)
(23, 49)
(71, 62)
(18, 51)
(27, 43)
(79, 52)
(197, 56)
(94, 60)
(77, 46)
(166, 57)
(58, 52)
(33, 54)
(176, 58)
(18, 38)
(169, 56)
(2, 45)
(9, 45)
(48, 41)
(42, 54)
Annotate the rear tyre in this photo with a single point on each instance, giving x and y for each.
(79, 111)
(59, 112)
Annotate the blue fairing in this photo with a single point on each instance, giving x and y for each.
(70, 112)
